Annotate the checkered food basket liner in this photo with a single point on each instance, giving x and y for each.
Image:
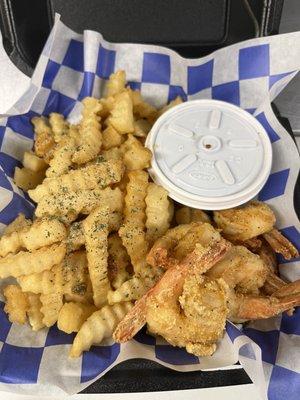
(250, 75)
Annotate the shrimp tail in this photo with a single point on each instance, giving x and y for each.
(133, 322)
(273, 283)
(258, 307)
(281, 245)
(201, 261)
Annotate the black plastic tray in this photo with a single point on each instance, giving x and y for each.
(174, 23)
(191, 27)
(25, 25)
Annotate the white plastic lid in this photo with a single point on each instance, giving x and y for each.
(209, 154)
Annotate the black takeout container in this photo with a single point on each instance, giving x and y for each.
(193, 28)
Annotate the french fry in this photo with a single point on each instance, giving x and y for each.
(86, 298)
(132, 232)
(51, 305)
(26, 179)
(90, 140)
(95, 229)
(116, 83)
(34, 313)
(28, 263)
(69, 277)
(62, 158)
(131, 289)
(34, 163)
(122, 114)
(115, 153)
(118, 261)
(41, 125)
(16, 304)
(72, 315)
(115, 221)
(17, 224)
(59, 126)
(111, 138)
(123, 182)
(186, 215)
(136, 156)
(141, 109)
(83, 202)
(75, 238)
(141, 128)
(107, 105)
(41, 233)
(43, 139)
(10, 243)
(172, 104)
(89, 177)
(159, 212)
(98, 326)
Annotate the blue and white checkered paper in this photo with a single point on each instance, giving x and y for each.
(249, 74)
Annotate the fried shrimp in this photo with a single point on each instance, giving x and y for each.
(251, 307)
(180, 241)
(168, 307)
(198, 321)
(241, 270)
(245, 223)
(254, 290)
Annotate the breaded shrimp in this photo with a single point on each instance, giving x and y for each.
(246, 222)
(241, 270)
(250, 307)
(178, 242)
(251, 220)
(161, 309)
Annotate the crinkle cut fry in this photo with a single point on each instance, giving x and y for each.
(16, 304)
(89, 177)
(75, 237)
(34, 313)
(98, 326)
(199, 261)
(59, 126)
(90, 138)
(41, 233)
(28, 263)
(72, 315)
(116, 83)
(43, 138)
(68, 277)
(51, 305)
(186, 215)
(95, 229)
(159, 211)
(17, 224)
(62, 158)
(118, 261)
(82, 202)
(132, 232)
(132, 289)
